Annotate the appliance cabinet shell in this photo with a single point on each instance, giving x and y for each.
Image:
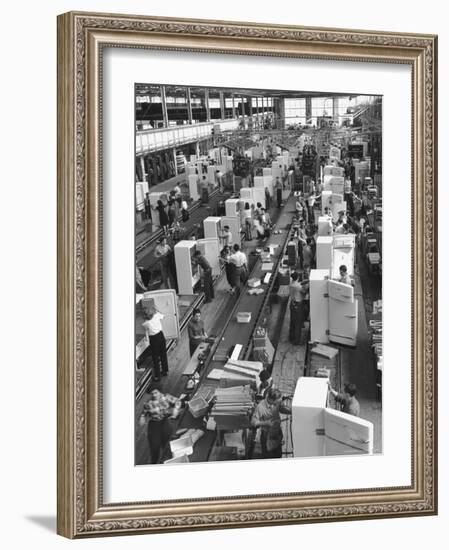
(211, 226)
(325, 227)
(210, 250)
(324, 252)
(258, 194)
(343, 314)
(319, 305)
(309, 402)
(193, 187)
(232, 207)
(187, 273)
(166, 302)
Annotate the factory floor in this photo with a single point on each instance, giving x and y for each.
(357, 364)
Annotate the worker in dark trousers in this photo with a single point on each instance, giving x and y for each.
(278, 186)
(208, 282)
(298, 308)
(156, 338)
(267, 417)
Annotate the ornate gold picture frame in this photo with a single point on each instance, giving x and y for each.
(82, 38)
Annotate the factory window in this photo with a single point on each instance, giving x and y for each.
(214, 105)
(149, 113)
(198, 104)
(295, 111)
(176, 101)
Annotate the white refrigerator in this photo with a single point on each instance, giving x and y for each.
(343, 254)
(343, 314)
(211, 226)
(166, 302)
(232, 207)
(187, 271)
(319, 305)
(210, 250)
(321, 431)
(324, 245)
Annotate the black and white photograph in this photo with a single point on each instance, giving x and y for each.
(258, 235)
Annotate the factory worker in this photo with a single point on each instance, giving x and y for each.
(267, 417)
(344, 275)
(350, 404)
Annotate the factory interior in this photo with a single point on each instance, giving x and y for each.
(258, 317)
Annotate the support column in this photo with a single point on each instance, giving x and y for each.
(222, 106)
(206, 99)
(142, 167)
(257, 110)
(174, 161)
(189, 106)
(308, 109)
(250, 110)
(335, 101)
(164, 106)
(233, 107)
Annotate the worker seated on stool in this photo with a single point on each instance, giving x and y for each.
(267, 417)
(196, 331)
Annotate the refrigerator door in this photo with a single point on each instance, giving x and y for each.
(166, 303)
(210, 250)
(343, 314)
(343, 254)
(346, 434)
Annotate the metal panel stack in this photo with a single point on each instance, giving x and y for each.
(233, 407)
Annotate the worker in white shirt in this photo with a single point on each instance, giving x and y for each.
(344, 275)
(226, 236)
(239, 263)
(248, 221)
(311, 199)
(153, 330)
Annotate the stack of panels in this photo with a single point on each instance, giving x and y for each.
(233, 407)
(236, 373)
